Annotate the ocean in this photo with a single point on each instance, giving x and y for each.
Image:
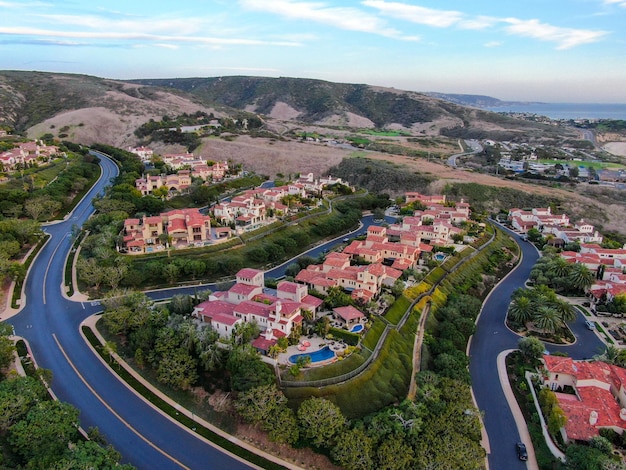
(567, 110)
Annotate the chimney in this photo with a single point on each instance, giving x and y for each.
(593, 418)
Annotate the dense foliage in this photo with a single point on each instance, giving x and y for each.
(37, 432)
(380, 176)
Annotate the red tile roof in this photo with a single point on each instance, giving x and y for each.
(348, 313)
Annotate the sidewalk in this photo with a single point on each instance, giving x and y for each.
(91, 323)
(520, 422)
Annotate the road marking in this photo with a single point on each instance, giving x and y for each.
(45, 276)
(128, 425)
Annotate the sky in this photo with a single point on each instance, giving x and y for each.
(524, 50)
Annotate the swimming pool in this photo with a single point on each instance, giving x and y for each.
(321, 355)
(440, 256)
(356, 328)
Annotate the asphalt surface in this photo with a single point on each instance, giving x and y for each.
(50, 324)
(148, 440)
(491, 337)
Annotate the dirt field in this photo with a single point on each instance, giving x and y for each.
(269, 157)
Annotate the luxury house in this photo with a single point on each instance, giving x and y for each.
(436, 225)
(363, 282)
(599, 398)
(557, 225)
(27, 153)
(178, 228)
(246, 301)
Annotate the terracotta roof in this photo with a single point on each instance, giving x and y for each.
(348, 313)
(244, 289)
(248, 273)
(287, 286)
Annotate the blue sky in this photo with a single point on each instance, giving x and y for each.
(541, 50)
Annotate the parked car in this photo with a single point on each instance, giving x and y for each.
(522, 454)
(590, 324)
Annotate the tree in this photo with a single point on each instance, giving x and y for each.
(547, 319)
(556, 420)
(91, 455)
(354, 450)
(566, 311)
(531, 348)
(247, 370)
(35, 207)
(259, 403)
(17, 396)
(177, 369)
(90, 272)
(44, 436)
(602, 444)
(521, 310)
(394, 454)
(181, 304)
(7, 348)
(581, 277)
(283, 426)
(320, 421)
(534, 235)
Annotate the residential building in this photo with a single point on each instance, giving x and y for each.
(599, 398)
(179, 228)
(246, 302)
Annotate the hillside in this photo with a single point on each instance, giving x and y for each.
(353, 105)
(87, 109)
(83, 108)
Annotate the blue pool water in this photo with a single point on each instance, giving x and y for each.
(356, 328)
(440, 256)
(323, 354)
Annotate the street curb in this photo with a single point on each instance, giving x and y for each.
(520, 422)
(91, 323)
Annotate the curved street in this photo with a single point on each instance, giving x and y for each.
(50, 324)
(492, 337)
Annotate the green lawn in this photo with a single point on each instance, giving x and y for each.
(586, 164)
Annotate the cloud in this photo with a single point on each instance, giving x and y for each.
(621, 3)
(565, 38)
(347, 18)
(416, 14)
(24, 4)
(493, 44)
(138, 36)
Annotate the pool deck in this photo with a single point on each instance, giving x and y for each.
(317, 343)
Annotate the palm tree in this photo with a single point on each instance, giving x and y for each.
(547, 319)
(521, 310)
(581, 277)
(212, 358)
(560, 267)
(565, 310)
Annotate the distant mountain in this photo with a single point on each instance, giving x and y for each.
(478, 101)
(89, 109)
(312, 100)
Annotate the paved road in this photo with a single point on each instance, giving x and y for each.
(491, 337)
(50, 324)
(475, 147)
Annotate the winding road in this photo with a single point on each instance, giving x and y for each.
(50, 323)
(492, 337)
